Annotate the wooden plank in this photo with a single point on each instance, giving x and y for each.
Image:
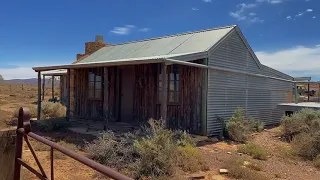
(39, 96)
(164, 93)
(68, 95)
(118, 94)
(7, 151)
(52, 84)
(43, 86)
(204, 91)
(106, 96)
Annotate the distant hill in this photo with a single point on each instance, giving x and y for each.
(32, 81)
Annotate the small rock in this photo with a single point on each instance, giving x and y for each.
(229, 153)
(223, 171)
(246, 163)
(196, 176)
(240, 154)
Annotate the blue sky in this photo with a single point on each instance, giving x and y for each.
(283, 33)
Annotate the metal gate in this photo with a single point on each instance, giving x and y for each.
(24, 132)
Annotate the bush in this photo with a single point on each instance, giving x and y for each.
(152, 152)
(303, 129)
(52, 110)
(304, 121)
(240, 170)
(238, 128)
(115, 152)
(191, 159)
(256, 151)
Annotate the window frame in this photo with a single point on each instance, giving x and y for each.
(172, 72)
(94, 90)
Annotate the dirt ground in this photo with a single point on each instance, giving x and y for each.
(277, 166)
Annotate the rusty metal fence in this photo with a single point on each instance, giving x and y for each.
(24, 132)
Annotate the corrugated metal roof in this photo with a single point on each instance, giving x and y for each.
(170, 46)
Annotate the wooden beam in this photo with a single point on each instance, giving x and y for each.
(52, 83)
(204, 93)
(68, 95)
(43, 86)
(39, 96)
(106, 97)
(164, 94)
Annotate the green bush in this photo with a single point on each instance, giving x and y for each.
(303, 129)
(238, 127)
(191, 159)
(254, 150)
(304, 121)
(151, 152)
(238, 169)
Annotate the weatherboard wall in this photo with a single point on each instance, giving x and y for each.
(227, 91)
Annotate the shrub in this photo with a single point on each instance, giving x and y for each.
(303, 129)
(39, 146)
(304, 121)
(109, 150)
(191, 159)
(52, 110)
(256, 151)
(152, 152)
(239, 170)
(238, 127)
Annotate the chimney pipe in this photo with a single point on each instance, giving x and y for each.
(99, 38)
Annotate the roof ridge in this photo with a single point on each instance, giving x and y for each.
(173, 35)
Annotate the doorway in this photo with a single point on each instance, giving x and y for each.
(127, 80)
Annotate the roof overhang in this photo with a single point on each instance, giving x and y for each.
(58, 72)
(132, 61)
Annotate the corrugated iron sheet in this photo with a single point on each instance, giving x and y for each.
(192, 42)
(227, 91)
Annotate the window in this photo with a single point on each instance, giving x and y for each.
(173, 85)
(95, 86)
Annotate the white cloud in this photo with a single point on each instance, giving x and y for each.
(18, 73)
(295, 61)
(207, 1)
(270, 1)
(314, 17)
(240, 14)
(309, 10)
(144, 29)
(123, 30)
(318, 45)
(289, 17)
(194, 9)
(299, 14)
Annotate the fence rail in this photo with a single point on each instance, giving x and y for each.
(24, 132)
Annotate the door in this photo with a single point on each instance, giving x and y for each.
(126, 93)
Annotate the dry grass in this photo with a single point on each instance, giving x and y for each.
(254, 150)
(316, 162)
(242, 168)
(70, 146)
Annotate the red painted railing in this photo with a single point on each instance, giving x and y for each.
(24, 132)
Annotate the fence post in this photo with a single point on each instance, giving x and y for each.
(7, 154)
(23, 117)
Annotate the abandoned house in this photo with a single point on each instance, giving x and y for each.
(191, 80)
